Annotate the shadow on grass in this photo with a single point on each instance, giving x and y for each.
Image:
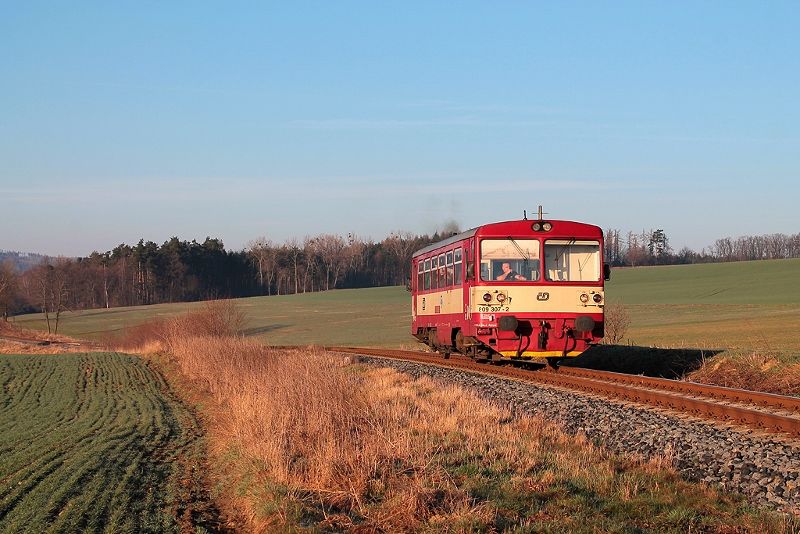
(648, 361)
(263, 329)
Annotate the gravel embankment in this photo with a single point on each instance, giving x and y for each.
(765, 470)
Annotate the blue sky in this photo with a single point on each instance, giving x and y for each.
(236, 120)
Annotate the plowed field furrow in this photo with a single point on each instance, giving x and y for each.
(86, 441)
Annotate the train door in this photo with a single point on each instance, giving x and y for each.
(416, 284)
(468, 278)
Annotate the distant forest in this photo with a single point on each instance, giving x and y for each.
(177, 271)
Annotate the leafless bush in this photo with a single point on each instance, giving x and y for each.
(216, 319)
(616, 322)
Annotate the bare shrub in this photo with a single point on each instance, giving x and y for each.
(215, 319)
(144, 337)
(219, 318)
(616, 321)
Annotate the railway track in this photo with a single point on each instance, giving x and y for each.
(763, 411)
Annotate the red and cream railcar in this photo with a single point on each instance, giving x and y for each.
(517, 289)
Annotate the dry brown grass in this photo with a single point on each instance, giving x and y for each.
(10, 329)
(218, 318)
(8, 346)
(302, 437)
(755, 371)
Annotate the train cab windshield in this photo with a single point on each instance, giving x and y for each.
(510, 259)
(571, 260)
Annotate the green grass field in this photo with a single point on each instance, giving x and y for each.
(741, 306)
(769, 282)
(92, 443)
(376, 316)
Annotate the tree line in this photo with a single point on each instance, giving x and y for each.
(653, 248)
(180, 271)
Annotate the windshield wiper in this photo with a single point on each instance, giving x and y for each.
(519, 249)
(564, 248)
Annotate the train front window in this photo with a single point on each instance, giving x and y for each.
(510, 259)
(570, 260)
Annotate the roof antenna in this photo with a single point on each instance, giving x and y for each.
(524, 215)
(540, 212)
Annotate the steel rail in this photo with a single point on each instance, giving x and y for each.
(663, 393)
(768, 400)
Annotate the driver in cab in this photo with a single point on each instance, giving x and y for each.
(509, 274)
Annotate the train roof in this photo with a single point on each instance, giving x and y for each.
(516, 228)
(450, 240)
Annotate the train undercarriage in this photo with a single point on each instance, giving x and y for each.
(483, 351)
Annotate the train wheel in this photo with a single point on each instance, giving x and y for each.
(553, 362)
(458, 342)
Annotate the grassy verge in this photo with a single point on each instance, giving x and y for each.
(304, 441)
(96, 443)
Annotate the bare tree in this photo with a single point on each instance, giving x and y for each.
(51, 283)
(263, 254)
(401, 245)
(60, 288)
(636, 253)
(8, 287)
(331, 252)
(310, 263)
(295, 252)
(41, 277)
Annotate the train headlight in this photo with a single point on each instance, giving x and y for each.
(487, 297)
(584, 298)
(501, 298)
(547, 227)
(536, 227)
(597, 297)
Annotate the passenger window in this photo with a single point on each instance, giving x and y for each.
(442, 277)
(427, 274)
(450, 271)
(434, 273)
(457, 271)
(420, 275)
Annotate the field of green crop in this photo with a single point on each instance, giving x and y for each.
(741, 306)
(92, 443)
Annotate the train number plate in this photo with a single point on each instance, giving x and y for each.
(493, 309)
